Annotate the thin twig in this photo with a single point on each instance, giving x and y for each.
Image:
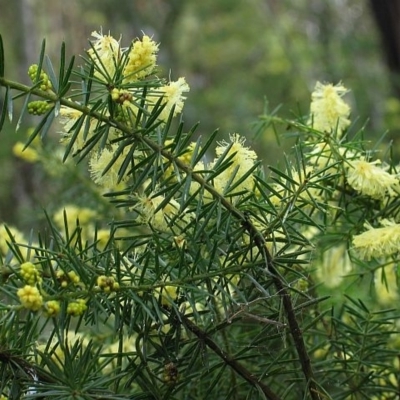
(235, 365)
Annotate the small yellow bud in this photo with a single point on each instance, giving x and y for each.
(107, 283)
(66, 279)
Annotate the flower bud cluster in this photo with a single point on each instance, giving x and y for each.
(44, 80)
(38, 107)
(30, 297)
(76, 308)
(107, 283)
(52, 308)
(120, 96)
(30, 274)
(67, 279)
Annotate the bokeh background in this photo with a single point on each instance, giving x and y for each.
(237, 56)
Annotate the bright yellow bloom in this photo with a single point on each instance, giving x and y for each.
(329, 113)
(30, 274)
(370, 180)
(29, 154)
(378, 242)
(30, 297)
(99, 162)
(141, 59)
(241, 158)
(105, 55)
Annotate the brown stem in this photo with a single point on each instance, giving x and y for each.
(235, 365)
(294, 327)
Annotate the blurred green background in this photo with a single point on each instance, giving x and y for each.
(234, 55)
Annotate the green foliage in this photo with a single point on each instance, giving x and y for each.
(209, 278)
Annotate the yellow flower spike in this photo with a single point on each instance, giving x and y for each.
(29, 154)
(142, 59)
(30, 297)
(242, 159)
(329, 112)
(378, 242)
(371, 180)
(105, 55)
(173, 96)
(98, 163)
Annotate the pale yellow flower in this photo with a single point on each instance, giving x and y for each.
(242, 159)
(73, 213)
(324, 154)
(150, 212)
(173, 95)
(329, 113)
(371, 180)
(98, 163)
(335, 264)
(105, 55)
(386, 289)
(141, 59)
(68, 118)
(5, 238)
(303, 187)
(167, 294)
(378, 242)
